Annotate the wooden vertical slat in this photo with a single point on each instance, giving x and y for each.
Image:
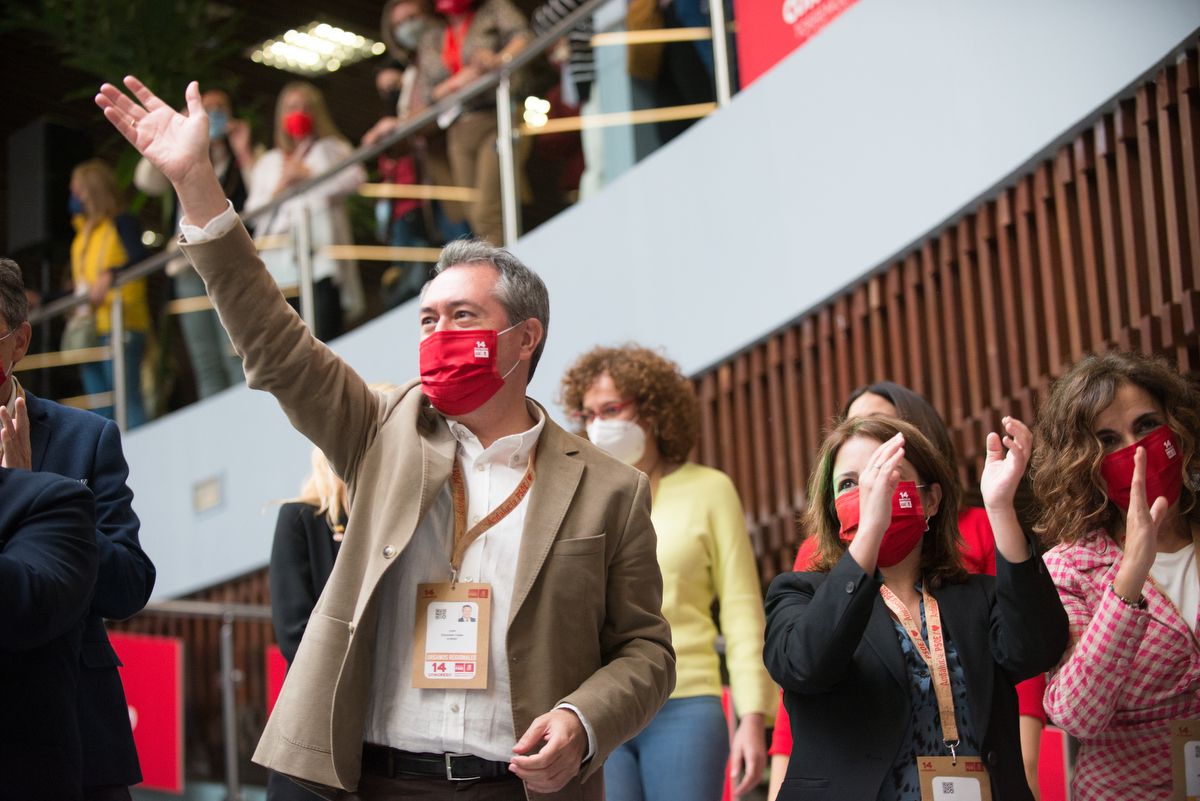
(1012, 293)
(970, 316)
(1050, 272)
(1152, 198)
(992, 340)
(932, 305)
(1070, 283)
(1091, 261)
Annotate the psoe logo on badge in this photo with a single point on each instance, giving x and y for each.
(793, 10)
(481, 349)
(1170, 448)
(905, 501)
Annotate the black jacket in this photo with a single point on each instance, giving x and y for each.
(302, 557)
(831, 646)
(87, 448)
(48, 561)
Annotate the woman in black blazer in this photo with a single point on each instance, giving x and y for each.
(308, 534)
(857, 685)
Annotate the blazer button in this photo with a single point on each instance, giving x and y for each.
(850, 587)
(992, 759)
(351, 628)
(388, 552)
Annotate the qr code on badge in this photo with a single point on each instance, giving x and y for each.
(439, 614)
(947, 788)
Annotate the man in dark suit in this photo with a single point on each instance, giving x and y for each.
(48, 559)
(40, 435)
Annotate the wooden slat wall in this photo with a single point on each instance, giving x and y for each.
(1095, 247)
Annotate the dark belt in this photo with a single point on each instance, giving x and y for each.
(391, 762)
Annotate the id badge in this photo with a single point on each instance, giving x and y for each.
(1185, 760)
(450, 636)
(953, 779)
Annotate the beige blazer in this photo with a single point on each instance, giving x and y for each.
(585, 627)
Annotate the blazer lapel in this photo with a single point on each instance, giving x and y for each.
(39, 432)
(881, 634)
(959, 611)
(558, 474)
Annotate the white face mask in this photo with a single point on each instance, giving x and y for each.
(621, 439)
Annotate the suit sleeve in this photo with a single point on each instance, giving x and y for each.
(1028, 625)
(292, 598)
(126, 576)
(813, 631)
(48, 568)
(281, 356)
(638, 675)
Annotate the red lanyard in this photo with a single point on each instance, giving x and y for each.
(464, 537)
(452, 43)
(939, 669)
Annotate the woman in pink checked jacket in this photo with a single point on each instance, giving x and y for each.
(1116, 471)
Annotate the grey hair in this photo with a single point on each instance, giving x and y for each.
(519, 289)
(14, 304)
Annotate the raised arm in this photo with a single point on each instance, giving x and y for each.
(323, 397)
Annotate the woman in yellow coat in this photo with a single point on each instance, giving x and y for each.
(97, 253)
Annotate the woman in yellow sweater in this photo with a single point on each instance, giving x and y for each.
(636, 405)
(97, 252)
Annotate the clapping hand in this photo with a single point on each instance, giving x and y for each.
(1007, 458)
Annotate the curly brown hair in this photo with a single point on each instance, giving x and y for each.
(941, 559)
(1067, 456)
(665, 396)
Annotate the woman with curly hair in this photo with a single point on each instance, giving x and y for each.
(890, 655)
(1116, 473)
(638, 406)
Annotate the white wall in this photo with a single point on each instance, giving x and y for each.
(875, 131)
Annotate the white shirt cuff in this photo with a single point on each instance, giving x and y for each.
(217, 227)
(587, 727)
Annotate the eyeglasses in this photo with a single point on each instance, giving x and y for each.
(11, 331)
(608, 411)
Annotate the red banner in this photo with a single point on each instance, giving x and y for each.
(152, 673)
(767, 30)
(276, 670)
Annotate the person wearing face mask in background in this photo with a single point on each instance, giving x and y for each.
(403, 26)
(891, 657)
(477, 38)
(214, 364)
(307, 143)
(1117, 474)
(461, 484)
(636, 405)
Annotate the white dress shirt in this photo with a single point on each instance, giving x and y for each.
(457, 721)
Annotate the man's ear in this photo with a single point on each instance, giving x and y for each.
(532, 335)
(23, 337)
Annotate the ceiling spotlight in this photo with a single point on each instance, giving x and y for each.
(315, 49)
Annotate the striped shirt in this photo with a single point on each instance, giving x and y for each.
(1128, 673)
(581, 66)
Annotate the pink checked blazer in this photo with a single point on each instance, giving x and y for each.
(1127, 674)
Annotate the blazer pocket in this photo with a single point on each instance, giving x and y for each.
(578, 546)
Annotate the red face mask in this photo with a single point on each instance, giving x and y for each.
(454, 6)
(298, 124)
(905, 531)
(458, 369)
(1164, 469)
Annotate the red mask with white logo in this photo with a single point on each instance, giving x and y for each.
(454, 7)
(1164, 469)
(903, 533)
(458, 369)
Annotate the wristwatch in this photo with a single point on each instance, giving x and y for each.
(1140, 603)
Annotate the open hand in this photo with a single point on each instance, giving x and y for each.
(174, 143)
(564, 745)
(748, 753)
(1142, 524)
(1002, 470)
(877, 485)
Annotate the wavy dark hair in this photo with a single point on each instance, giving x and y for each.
(1067, 454)
(941, 560)
(665, 396)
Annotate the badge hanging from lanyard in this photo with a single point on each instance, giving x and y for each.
(952, 778)
(1185, 760)
(453, 619)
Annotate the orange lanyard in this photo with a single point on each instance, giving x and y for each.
(463, 537)
(939, 669)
